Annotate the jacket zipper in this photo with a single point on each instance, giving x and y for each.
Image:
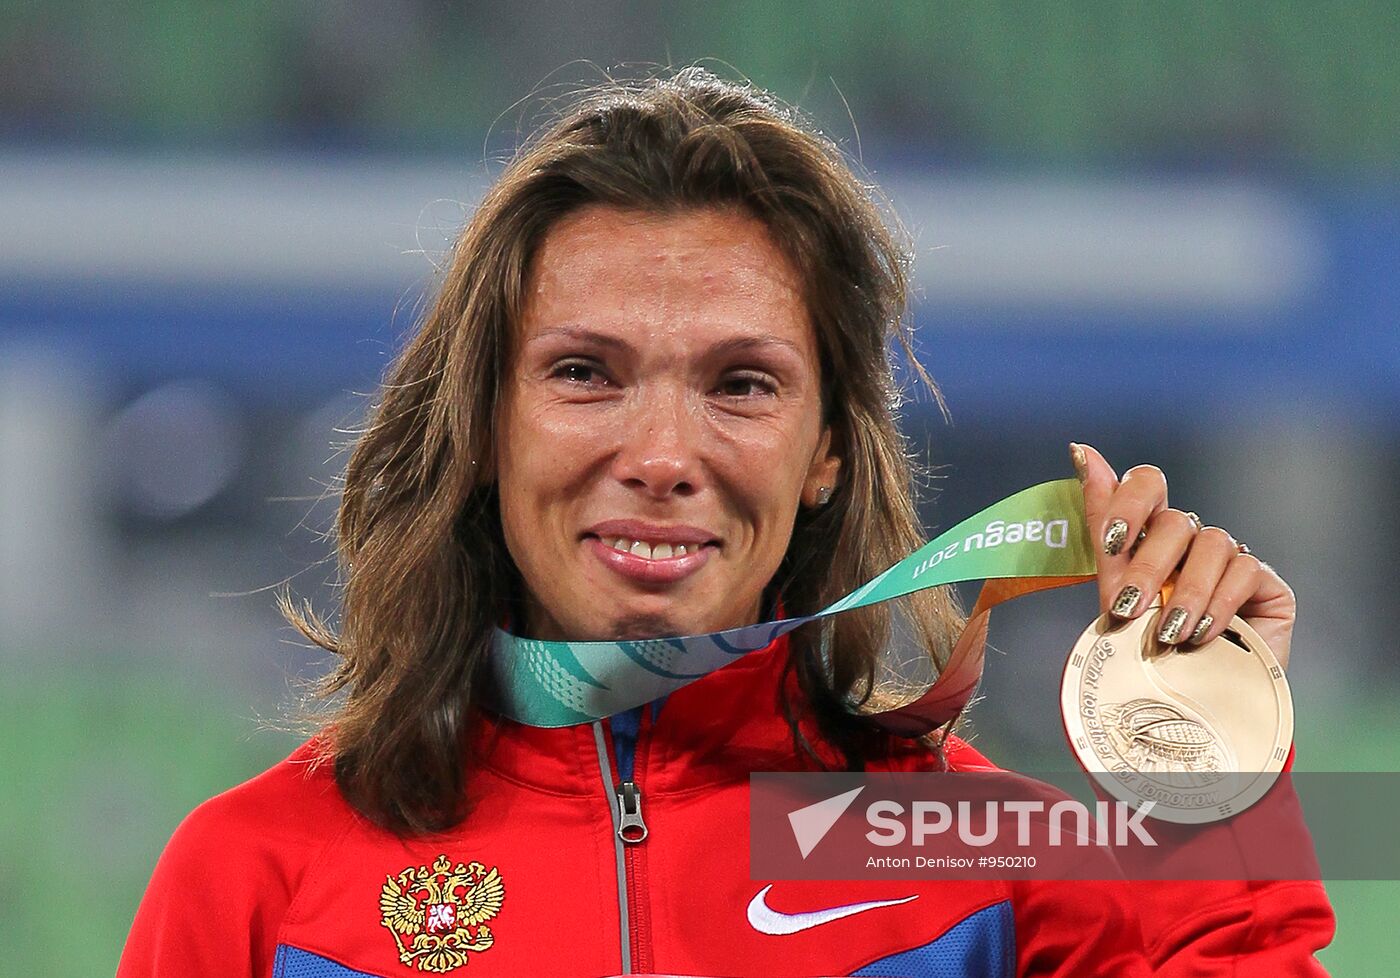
(629, 829)
(630, 796)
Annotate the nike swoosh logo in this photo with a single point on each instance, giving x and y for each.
(766, 920)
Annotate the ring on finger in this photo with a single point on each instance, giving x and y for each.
(1236, 584)
(1209, 557)
(1196, 521)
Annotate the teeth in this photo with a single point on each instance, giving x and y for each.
(640, 548)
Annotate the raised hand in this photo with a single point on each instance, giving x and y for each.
(1142, 541)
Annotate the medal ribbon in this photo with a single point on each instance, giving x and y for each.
(1033, 540)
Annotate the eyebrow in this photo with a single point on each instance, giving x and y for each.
(733, 344)
(741, 344)
(582, 333)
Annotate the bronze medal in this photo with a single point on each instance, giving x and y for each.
(1201, 731)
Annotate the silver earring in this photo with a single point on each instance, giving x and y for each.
(823, 495)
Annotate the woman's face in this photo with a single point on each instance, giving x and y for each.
(660, 424)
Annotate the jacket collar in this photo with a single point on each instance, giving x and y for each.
(718, 728)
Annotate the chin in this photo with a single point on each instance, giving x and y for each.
(636, 617)
(640, 626)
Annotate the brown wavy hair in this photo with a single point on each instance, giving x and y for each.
(425, 570)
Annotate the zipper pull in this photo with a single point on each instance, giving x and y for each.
(630, 827)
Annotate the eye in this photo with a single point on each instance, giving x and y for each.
(747, 384)
(580, 372)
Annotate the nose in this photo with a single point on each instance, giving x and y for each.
(659, 451)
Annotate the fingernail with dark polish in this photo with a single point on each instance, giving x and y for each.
(1115, 536)
(1202, 627)
(1126, 601)
(1171, 629)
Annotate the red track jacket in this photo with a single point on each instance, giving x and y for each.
(281, 877)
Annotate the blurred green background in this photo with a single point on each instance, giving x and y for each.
(1171, 230)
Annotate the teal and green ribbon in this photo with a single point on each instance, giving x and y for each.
(1032, 540)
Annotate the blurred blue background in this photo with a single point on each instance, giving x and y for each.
(1170, 230)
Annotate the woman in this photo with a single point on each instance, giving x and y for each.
(652, 399)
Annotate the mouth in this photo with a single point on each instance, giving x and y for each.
(651, 555)
(654, 549)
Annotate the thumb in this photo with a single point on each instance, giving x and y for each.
(1099, 481)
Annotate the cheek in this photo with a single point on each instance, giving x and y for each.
(513, 522)
(786, 463)
(528, 490)
(549, 439)
(542, 461)
(770, 495)
(530, 520)
(521, 486)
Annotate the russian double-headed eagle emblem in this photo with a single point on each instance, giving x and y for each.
(438, 913)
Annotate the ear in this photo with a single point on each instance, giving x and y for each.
(822, 473)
